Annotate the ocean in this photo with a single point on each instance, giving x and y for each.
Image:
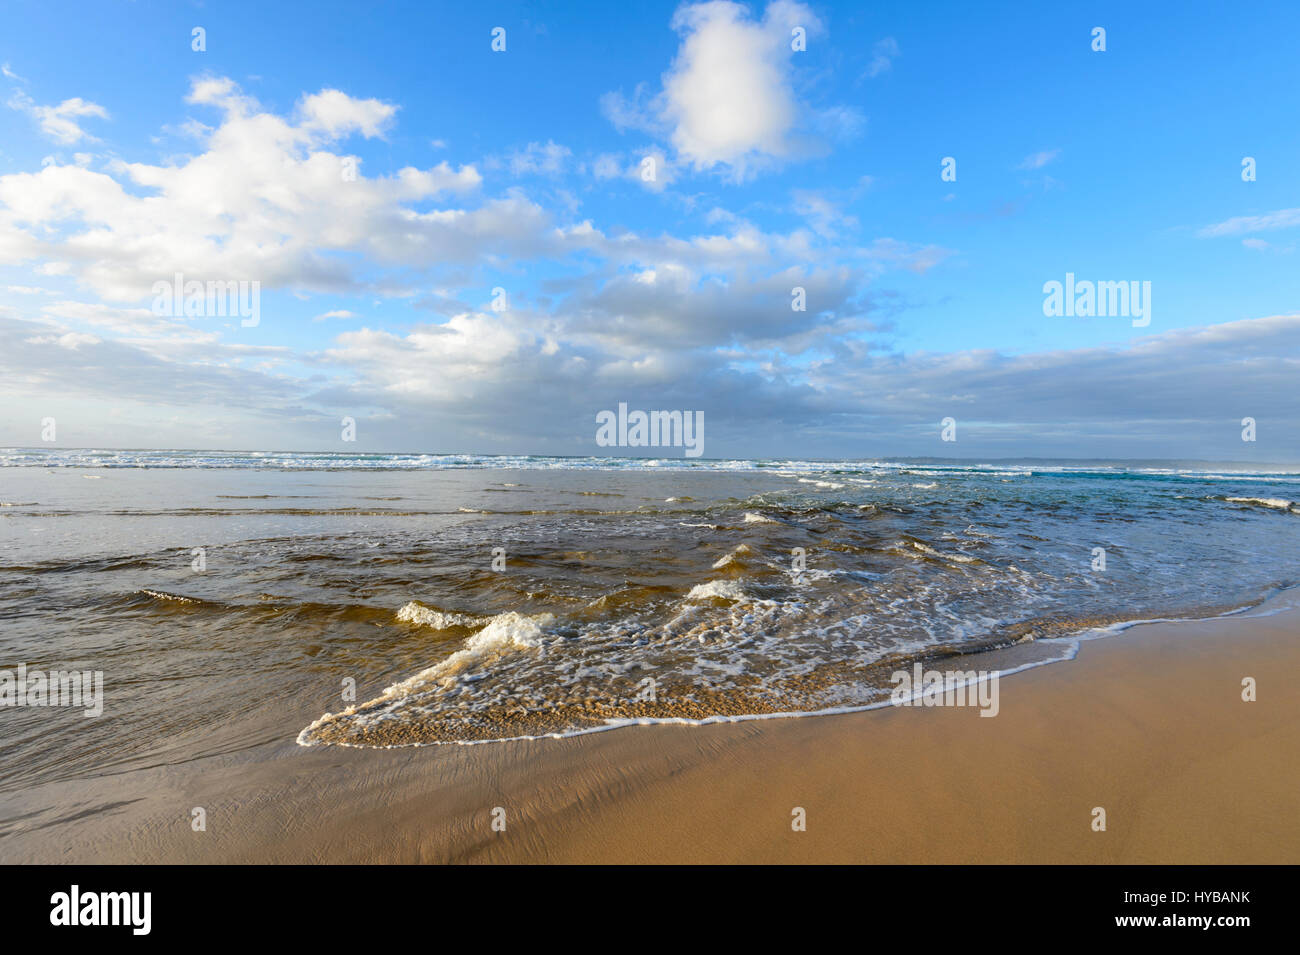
(235, 599)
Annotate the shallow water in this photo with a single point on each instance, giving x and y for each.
(629, 590)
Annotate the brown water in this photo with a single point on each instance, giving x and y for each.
(627, 592)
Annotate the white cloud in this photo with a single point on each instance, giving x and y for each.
(336, 114)
(266, 201)
(68, 340)
(728, 94)
(1282, 219)
(825, 217)
(540, 159)
(883, 55)
(264, 198)
(1039, 159)
(634, 113)
(606, 166)
(524, 380)
(139, 326)
(653, 170)
(60, 122)
(1259, 245)
(450, 361)
(220, 91)
(728, 99)
(839, 123)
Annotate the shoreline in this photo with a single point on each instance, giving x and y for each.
(1068, 645)
(1147, 723)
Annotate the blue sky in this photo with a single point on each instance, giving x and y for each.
(126, 156)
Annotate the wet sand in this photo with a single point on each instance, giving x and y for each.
(1149, 725)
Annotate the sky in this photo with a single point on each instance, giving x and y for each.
(463, 248)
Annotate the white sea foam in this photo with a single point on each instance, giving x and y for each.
(926, 549)
(1066, 646)
(796, 467)
(724, 589)
(752, 518)
(1068, 653)
(416, 612)
(830, 485)
(505, 632)
(1276, 502)
(163, 595)
(743, 550)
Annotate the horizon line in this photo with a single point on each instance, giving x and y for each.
(650, 457)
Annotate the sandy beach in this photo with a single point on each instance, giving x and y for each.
(1148, 724)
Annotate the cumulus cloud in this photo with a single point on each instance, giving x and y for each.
(728, 94)
(700, 319)
(268, 200)
(729, 99)
(336, 114)
(451, 361)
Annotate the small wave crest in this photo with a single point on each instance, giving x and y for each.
(505, 633)
(416, 612)
(720, 589)
(173, 598)
(1276, 503)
